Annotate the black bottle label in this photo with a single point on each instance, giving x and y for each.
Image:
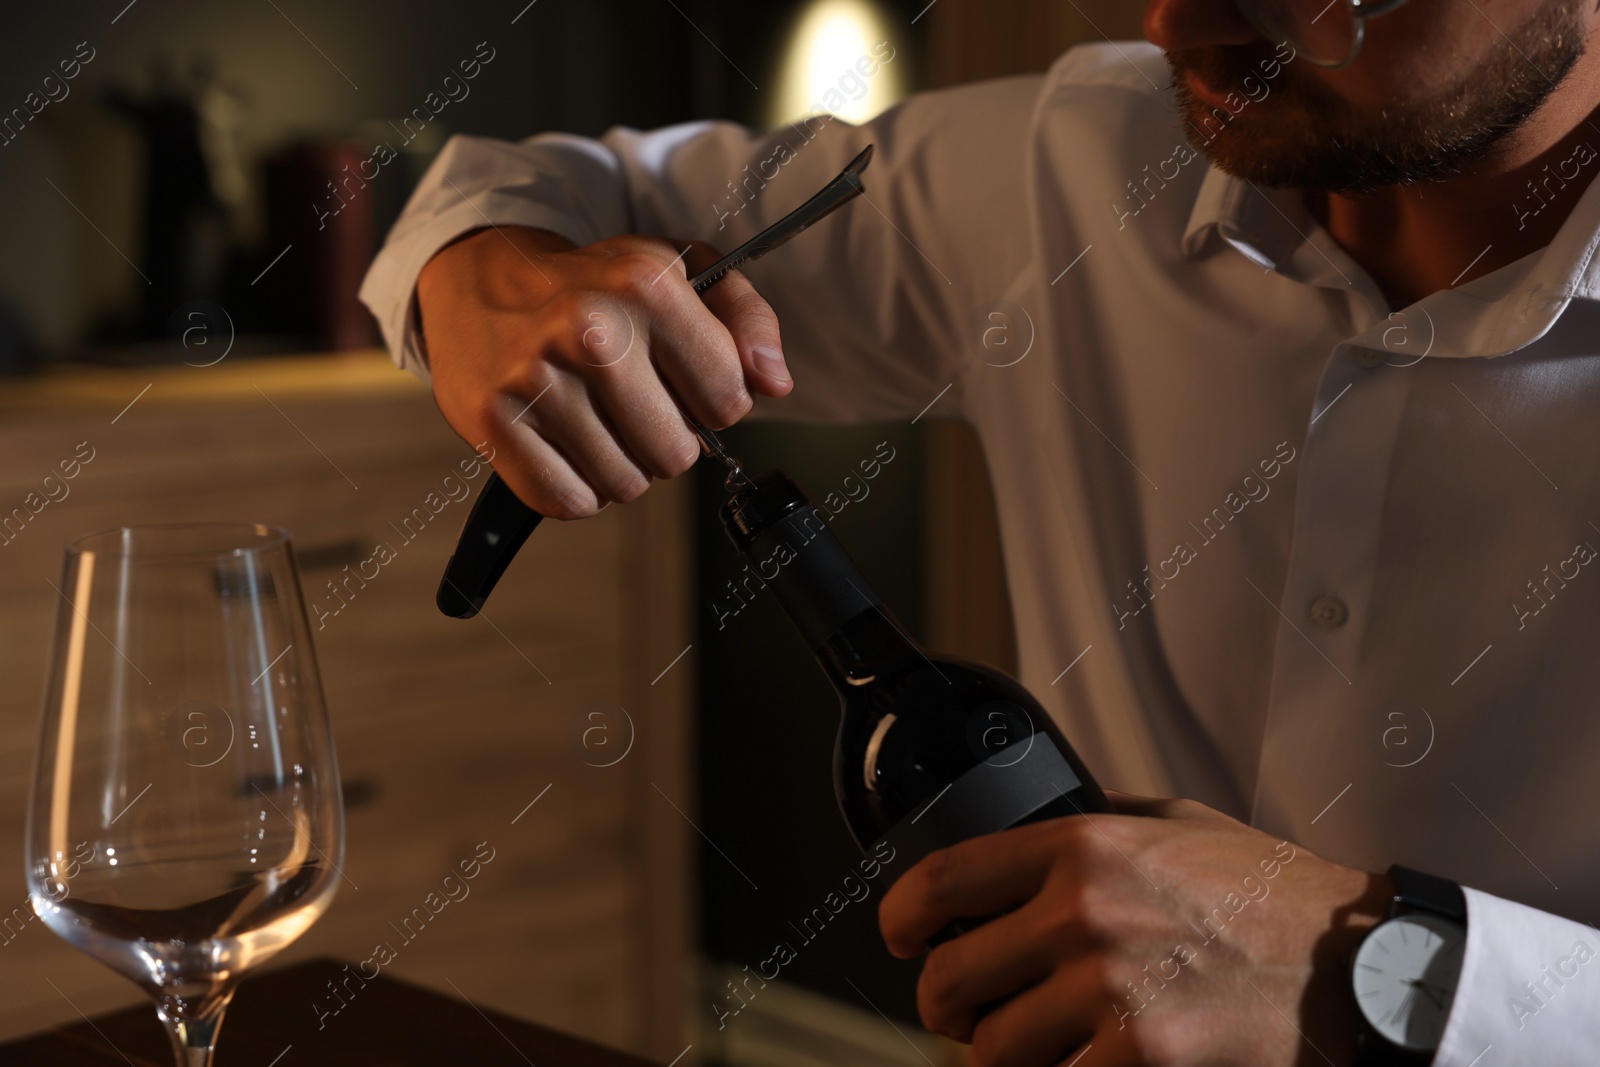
(997, 794)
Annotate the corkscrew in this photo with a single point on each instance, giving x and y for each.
(499, 523)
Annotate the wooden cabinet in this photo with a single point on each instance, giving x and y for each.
(447, 731)
(973, 39)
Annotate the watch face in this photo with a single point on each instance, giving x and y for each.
(1405, 976)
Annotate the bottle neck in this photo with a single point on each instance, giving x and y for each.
(858, 651)
(815, 581)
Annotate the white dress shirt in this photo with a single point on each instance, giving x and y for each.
(1370, 615)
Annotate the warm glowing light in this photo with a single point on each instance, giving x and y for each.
(834, 42)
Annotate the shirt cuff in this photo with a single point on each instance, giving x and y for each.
(1529, 990)
(389, 289)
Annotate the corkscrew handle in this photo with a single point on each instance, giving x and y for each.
(499, 522)
(495, 529)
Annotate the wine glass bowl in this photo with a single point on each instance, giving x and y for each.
(185, 822)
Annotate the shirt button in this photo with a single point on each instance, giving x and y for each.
(1329, 612)
(1370, 358)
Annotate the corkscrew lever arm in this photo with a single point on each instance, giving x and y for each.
(499, 522)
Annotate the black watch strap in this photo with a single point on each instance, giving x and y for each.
(1416, 891)
(1373, 1051)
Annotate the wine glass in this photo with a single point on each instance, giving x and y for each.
(185, 822)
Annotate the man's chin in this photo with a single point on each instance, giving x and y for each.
(1299, 136)
(1271, 148)
(1266, 149)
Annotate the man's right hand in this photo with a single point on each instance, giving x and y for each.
(565, 360)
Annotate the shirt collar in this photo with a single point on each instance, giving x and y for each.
(1498, 313)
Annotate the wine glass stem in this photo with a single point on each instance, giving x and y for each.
(194, 1035)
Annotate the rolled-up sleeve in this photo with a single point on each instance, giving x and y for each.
(1529, 991)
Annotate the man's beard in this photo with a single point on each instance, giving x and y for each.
(1302, 136)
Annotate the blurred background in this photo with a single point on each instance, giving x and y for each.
(190, 194)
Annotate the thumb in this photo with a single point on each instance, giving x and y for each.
(749, 319)
(1164, 807)
(1134, 804)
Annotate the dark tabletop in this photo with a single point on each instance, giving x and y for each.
(386, 1023)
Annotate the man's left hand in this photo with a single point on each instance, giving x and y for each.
(1166, 934)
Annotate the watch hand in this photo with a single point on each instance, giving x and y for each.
(1427, 989)
(1405, 1005)
(1444, 994)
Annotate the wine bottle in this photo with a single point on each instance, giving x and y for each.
(932, 750)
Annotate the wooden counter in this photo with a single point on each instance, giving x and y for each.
(386, 1024)
(446, 730)
(73, 387)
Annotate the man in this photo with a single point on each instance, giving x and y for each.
(1287, 376)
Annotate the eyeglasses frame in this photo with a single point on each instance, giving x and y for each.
(1361, 9)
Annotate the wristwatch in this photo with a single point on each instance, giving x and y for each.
(1406, 971)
